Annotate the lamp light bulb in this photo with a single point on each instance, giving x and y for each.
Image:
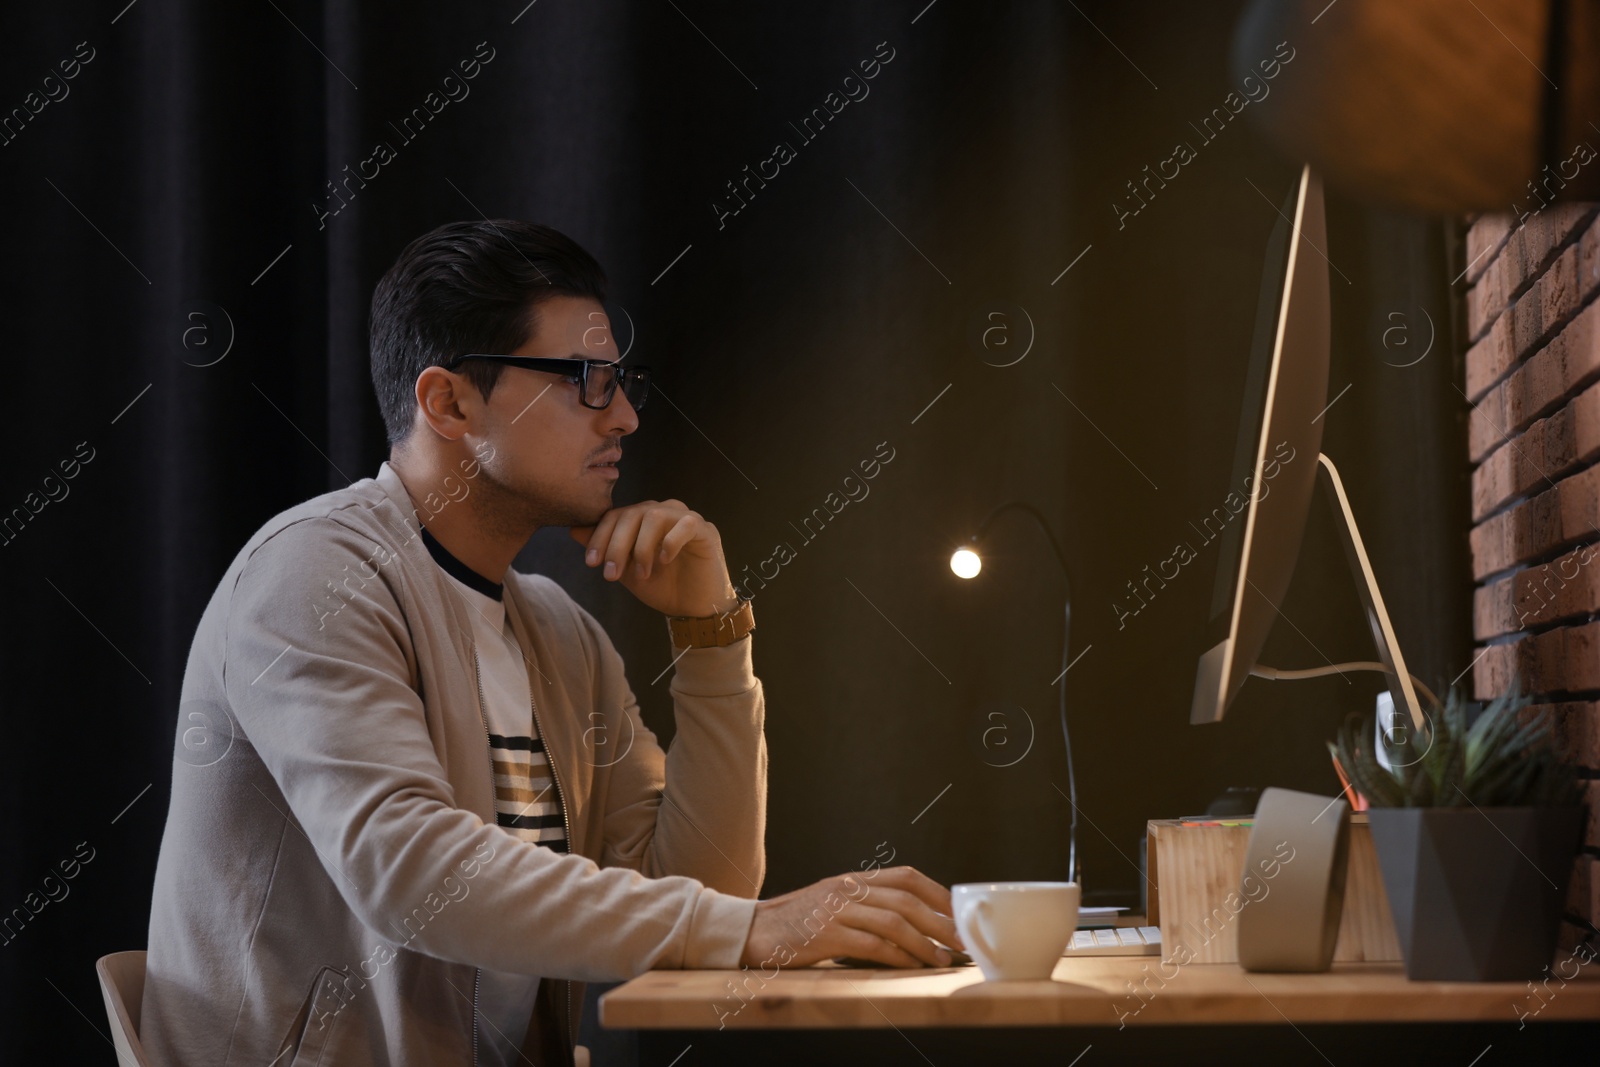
(966, 563)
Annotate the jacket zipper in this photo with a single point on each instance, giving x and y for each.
(566, 828)
(477, 972)
(477, 978)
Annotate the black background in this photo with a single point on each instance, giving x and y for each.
(815, 324)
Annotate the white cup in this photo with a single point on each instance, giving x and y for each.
(1016, 930)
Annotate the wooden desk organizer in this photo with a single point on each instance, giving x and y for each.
(1194, 893)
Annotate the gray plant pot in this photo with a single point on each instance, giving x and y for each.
(1476, 893)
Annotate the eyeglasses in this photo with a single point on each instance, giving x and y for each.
(597, 379)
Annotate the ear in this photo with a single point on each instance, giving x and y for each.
(442, 399)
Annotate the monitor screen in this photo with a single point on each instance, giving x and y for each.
(1276, 455)
(1274, 266)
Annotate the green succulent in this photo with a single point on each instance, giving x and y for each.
(1506, 758)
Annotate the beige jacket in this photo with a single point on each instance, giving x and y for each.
(331, 876)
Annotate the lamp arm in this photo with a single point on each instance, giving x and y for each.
(1044, 527)
(1075, 873)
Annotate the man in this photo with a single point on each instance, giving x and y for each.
(413, 803)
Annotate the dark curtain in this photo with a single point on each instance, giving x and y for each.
(195, 222)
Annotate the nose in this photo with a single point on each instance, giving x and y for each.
(619, 415)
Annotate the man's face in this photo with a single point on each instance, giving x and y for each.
(554, 459)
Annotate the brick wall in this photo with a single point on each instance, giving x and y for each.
(1533, 379)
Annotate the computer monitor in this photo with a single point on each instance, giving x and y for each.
(1277, 460)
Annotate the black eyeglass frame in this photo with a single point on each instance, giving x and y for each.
(623, 378)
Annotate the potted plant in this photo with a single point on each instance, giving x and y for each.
(1475, 836)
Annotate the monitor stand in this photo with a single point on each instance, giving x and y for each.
(1208, 703)
(1405, 695)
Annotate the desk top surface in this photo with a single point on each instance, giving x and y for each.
(1091, 991)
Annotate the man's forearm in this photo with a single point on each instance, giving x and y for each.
(711, 824)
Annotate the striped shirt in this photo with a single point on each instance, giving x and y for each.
(527, 804)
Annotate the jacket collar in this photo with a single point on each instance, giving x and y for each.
(414, 552)
(575, 774)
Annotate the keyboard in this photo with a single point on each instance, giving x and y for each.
(1123, 941)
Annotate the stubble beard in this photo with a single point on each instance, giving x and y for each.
(507, 510)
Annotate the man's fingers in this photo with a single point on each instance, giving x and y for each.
(914, 881)
(600, 536)
(681, 533)
(929, 893)
(869, 946)
(927, 921)
(894, 920)
(657, 522)
(644, 534)
(619, 546)
(897, 930)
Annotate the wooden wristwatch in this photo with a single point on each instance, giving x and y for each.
(712, 631)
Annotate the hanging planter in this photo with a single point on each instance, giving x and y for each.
(1475, 838)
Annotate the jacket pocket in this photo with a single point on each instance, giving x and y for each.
(310, 1035)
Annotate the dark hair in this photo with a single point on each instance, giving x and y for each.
(467, 287)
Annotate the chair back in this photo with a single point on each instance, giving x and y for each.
(122, 984)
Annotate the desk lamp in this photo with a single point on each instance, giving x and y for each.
(967, 562)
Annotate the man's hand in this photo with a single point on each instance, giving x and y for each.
(887, 916)
(664, 554)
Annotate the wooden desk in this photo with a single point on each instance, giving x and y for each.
(1088, 992)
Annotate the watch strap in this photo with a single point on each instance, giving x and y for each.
(712, 631)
